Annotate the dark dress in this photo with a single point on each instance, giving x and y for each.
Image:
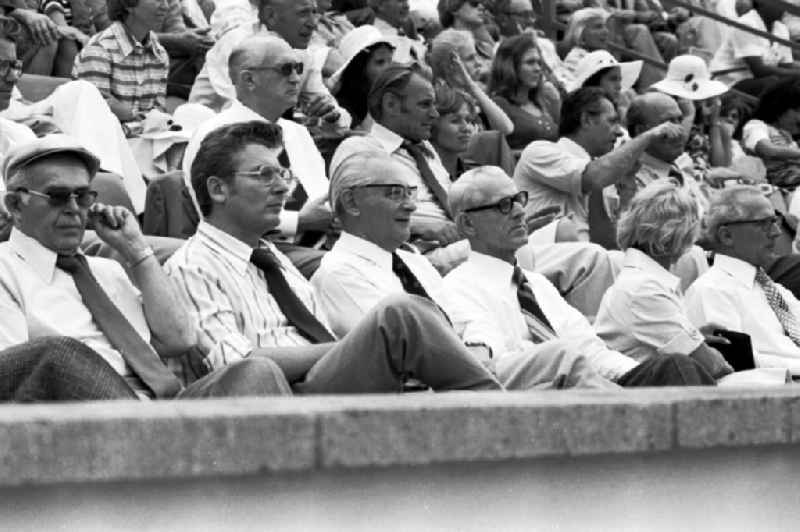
(527, 127)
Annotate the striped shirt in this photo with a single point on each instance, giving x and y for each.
(228, 296)
(120, 66)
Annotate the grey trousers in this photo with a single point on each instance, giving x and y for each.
(404, 337)
(551, 365)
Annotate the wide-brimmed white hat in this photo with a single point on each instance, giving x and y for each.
(352, 44)
(158, 125)
(688, 77)
(594, 62)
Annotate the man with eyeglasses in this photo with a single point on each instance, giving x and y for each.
(517, 313)
(736, 293)
(266, 73)
(249, 301)
(293, 21)
(374, 196)
(121, 324)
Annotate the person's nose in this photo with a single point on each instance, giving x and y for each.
(433, 112)
(775, 229)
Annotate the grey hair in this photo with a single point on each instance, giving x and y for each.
(354, 171)
(443, 44)
(728, 205)
(663, 220)
(467, 191)
(578, 22)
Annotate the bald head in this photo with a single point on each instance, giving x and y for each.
(649, 110)
(255, 51)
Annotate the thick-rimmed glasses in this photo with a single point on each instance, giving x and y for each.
(60, 197)
(765, 224)
(505, 205)
(285, 69)
(396, 193)
(268, 175)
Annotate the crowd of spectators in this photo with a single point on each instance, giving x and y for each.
(267, 197)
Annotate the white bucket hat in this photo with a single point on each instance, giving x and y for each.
(179, 126)
(594, 62)
(352, 44)
(688, 77)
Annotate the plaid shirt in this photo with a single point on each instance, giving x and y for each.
(132, 72)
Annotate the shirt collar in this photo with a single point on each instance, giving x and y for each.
(491, 269)
(390, 140)
(231, 249)
(127, 42)
(365, 249)
(639, 260)
(41, 260)
(573, 147)
(657, 166)
(742, 271)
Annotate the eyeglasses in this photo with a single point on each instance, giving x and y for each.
(285, 69)
(60, 197)
(505, 205)
(765, 224)
(474, 3)
(396, 193)
(268, 175)
(10, 70)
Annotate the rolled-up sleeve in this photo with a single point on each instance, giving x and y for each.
(547, 164)
(659, 321)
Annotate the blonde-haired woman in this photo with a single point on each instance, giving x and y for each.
(642, 313)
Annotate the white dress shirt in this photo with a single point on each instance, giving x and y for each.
(486, 308)
(38, 299)
(382, 139)
(728, 297)
(642, 314)
(356, 274)
(552, 173)
(305, 159)
(228, 297)
(213, 86)
(738, 44)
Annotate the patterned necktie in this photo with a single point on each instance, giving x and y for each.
(293, 309)
(409, 281)
(538, 324)
(418, 151)
(138, 354)
(778, 304)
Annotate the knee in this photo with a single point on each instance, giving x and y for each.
(79, 88)
(635, 30)
(259, 373)
(404, 309)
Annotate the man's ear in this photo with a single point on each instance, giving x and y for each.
(724, 236)
(586, 120)
(11, 200)
(218, 189)
(464, 224)
(348, 202)
(246, 79)
(390, 104)
(267, 16)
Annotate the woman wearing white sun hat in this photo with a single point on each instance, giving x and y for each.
(601, 69)
(710, 143)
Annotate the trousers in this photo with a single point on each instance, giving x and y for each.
(667, 370)
(551, 365)
(59, 368)
(404, 337)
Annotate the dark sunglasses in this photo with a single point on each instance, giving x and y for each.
(58, 197)
(504, 205)
(765, 224)
(284, 69)
(475, 3)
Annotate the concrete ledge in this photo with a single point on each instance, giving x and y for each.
(127, 441)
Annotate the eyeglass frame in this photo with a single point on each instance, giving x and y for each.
(280, 172)
(62, 200)
(293, 66)
(409, 191)
(775, 220)
(498, 204)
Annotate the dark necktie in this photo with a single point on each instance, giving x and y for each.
(417, 151)
(293, 309)
(137, 353)
(410, 282)
(538, 324)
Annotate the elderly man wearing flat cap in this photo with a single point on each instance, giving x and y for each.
(116, 321)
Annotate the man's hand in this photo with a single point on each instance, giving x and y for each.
(665, 132)
(43, 30)
(315, 215)
(117, 227)
(713, 361)
(444, 232)
(193, 40)
(68, 32)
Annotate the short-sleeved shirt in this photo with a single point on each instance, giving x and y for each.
(739, 44)
(552, 173)
(134, 73)
(642, 314)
